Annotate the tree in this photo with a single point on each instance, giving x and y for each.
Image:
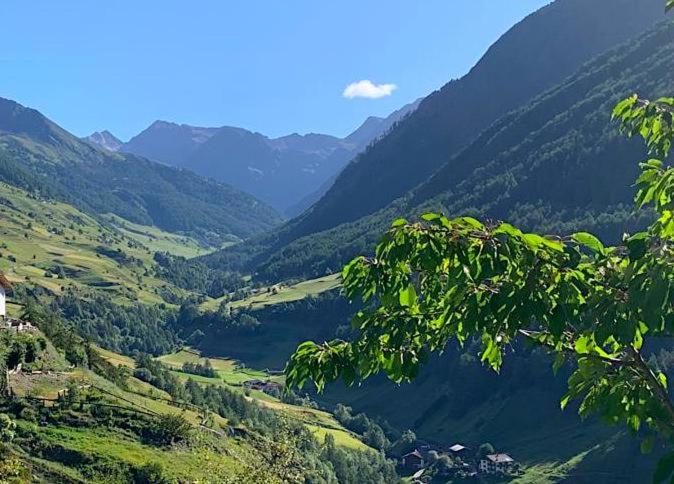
(443, 280)
(7, 428)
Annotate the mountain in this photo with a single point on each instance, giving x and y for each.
(105, 139)
(516, 69)
(168, 143)
(556, 165)
(280, 171)
(530, 58)
(38, 155)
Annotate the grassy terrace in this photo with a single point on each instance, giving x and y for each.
(281, 293)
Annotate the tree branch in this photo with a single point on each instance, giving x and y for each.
(653, 382)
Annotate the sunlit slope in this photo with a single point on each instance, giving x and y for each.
(55, 246)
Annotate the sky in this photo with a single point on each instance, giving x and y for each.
(273, 66)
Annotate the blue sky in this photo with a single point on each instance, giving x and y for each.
(274, 66)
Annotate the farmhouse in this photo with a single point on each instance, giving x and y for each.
(19, 325)
(413, 460)
(497, 464)
(5, 287)
(263, 386)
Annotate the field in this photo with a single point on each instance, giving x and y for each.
(157, 240)
(281, 293)
(231, 374)
(55, 246)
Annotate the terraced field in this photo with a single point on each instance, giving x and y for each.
(55, 246)
(281, 293)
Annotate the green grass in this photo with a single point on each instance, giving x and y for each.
(42, 234)
(342, 437)
(205, 463)
(115, 358)
(229, 371)
(158, 240)
(281, 293)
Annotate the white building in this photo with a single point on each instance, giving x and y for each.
(5, 287)
(497, 464)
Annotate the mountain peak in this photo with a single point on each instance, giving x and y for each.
(19, 120)
(105, 139)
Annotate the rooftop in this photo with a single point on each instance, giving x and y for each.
(500, 458)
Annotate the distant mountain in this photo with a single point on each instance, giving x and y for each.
(41, 157)
(105, 139)
(280, 171)
(168, 143)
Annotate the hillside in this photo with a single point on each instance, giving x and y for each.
(555, 165)
(57, 248)
(280, 171)
(39, 156)
(113, 419)
(531, 58)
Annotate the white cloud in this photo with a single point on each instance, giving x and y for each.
(368, 89)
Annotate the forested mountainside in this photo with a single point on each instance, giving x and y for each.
(280, 171)
(38, 155)
(555, 165)
(534, 56)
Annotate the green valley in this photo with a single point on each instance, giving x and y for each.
(160, 326)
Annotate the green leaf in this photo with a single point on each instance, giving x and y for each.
(582, 345)
(637, 246)
(429, 217)
(408, 296)
(664, 468)
(669, 5)
(399, 222)
(647, 445)
(590, 241)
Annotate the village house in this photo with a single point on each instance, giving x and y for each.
(497, 464)
(413, 460)
(269, 387)
(19, 325)
(5, 288)
(458, 450)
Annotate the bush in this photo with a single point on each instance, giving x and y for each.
(151, 473)
(7, 428)
(169, 429)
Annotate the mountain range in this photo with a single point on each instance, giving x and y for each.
(289, 172)
(39, 156)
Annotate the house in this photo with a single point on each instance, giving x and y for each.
(497, 464)
(5, 287)
(412, 461)
(19, 325)
(270, 387)
(458, 450)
